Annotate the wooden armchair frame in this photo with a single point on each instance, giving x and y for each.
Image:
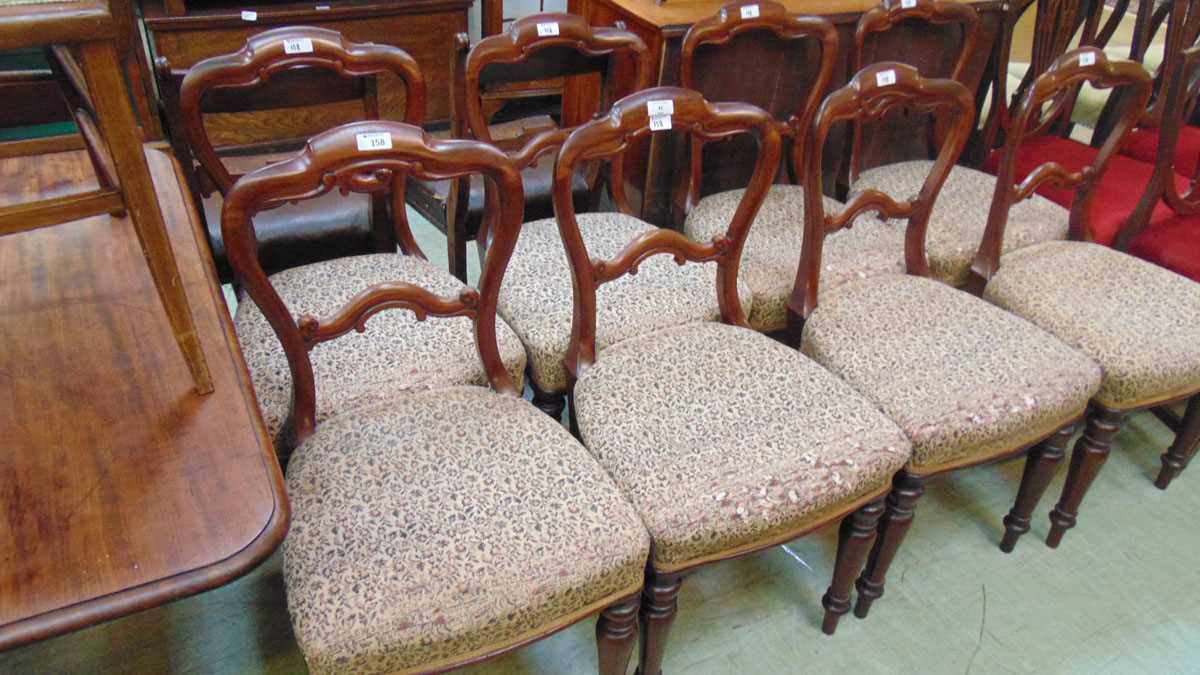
(96, 92)
(728, 24)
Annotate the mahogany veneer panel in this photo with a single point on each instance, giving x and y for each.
(120, 488)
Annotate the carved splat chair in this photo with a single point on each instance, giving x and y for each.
(435, 527)
(773, 245)
(288, 67)
(521, 66)
(1140, 322)
(726, 441)
(967, 382)
(959, 217)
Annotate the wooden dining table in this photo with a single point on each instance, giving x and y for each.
(120, 487)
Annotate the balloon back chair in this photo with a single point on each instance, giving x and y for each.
(969, 384)
(440, 526)
(1140, 322)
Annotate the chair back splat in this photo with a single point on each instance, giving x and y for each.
(736, 19)
(870, 94)
(606, 139)
(370, 157)
(1035, 114)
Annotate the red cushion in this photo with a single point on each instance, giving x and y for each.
(1118, 193)
(1173, 243)
(1142, 145)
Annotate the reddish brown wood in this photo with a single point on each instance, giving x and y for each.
(1040, 465)
(330, 161)
(1090, 453)
(901, 504)
(605, 139)
(855, 538)
(1187, 439)
(616, 633)
(122, 489)
(660, 602)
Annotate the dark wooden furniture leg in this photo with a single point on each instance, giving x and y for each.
(456, 244)
(855, 537)
(1040, 465)
(1090, 453)
(659, 602)
(1187, 438)
(892, 529)
(102, 69)
(616, 631)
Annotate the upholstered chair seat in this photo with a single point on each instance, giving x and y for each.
(724, 439)
(536, 298)
(960, 215)
(444, 525)
(772, 251)
(963, 379)
(1140, 322)
(361, 368)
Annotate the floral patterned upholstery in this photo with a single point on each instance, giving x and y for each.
(446, 524)
(396, 353)
(772, 252)
(965, 380)
(536, 299)
(960, 215)
(724, 438)
(1140, 322)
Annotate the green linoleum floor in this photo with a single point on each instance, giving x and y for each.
(1121, 596)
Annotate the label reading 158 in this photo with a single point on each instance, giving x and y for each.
(749, 11)
(885, 78)
(660, 123)
(379, 140)
(298, 46)
(549, 29)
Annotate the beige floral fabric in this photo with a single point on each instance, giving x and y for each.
(722, 438)
(963, 379)
(445, 524)
(537, 298)
(1140, 322)
(396, 353)
(960, 215)
(772, 252)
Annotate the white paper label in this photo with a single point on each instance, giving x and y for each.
(660, 122)
(1087, 59)
(908, 4)
(378, 140)
(885, 77)
(749, 11)
(663, 106)
(548, 29)
(248, 15)
(322, 8)
(297, 46)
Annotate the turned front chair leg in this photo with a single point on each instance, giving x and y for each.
(855, 537)
(616, 632)
(1187, 439)
(892, 529)
(1040, 465)
(1090, 453)
(659, 604)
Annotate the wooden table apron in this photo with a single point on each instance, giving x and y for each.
(120, 488)
(757, 68)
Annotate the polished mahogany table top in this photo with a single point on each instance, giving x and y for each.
(120, 488)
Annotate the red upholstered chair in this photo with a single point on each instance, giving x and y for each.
(1141, 323)
(967, 382)
(442, 524)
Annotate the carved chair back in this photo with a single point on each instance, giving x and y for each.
(1035, 113)
(870, 94)
(762, 16)
(887, 16)
(606, 139)
(282, 68)
(372, 157)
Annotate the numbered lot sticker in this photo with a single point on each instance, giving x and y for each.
(298, 46)
(548, 29)
(322, 8)
(660, 107)
(751, 11)
(248, 15)
(908, 4)
(885, 77)
(660, 123)
(1087, 59)
(379, 140)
